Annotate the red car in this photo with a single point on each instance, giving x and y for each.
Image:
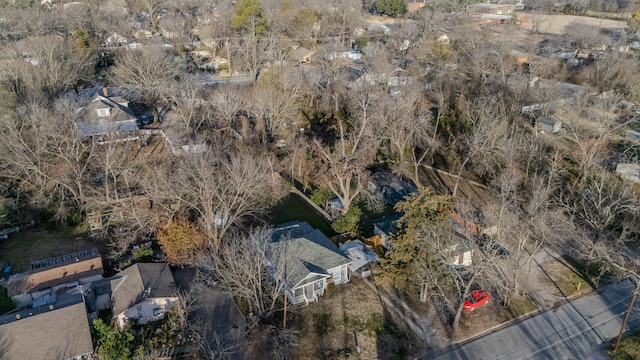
(476, 299)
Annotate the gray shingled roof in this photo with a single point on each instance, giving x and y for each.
(121, 118)
(129, 285)
(359, 253)
(304, 250)
(58, 331)
(390, 187)
(388, 224)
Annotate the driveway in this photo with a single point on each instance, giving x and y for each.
(576, 330)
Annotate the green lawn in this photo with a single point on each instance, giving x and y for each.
(522, 305)
(294, 208)
(35, 244)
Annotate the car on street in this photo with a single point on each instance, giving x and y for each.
(485, 243)
(476, 299)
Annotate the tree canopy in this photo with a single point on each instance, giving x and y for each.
(390, 7)
(181, 242)
(425, 218)
(250, 16)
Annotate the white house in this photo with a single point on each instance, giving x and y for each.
(344, 53)
(143, 292)
(308, 259)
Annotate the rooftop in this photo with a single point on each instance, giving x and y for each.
(55, 331)
(306, 250)
(64, 259)
(140, 281)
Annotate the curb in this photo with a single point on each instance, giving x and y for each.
(458, 344)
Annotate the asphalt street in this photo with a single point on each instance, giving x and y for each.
(575, 330)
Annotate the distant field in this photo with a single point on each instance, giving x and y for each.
(556, 24)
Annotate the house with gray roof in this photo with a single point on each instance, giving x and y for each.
(108, 119)
(390, 187)
(309, 260)
(58, 330)
(143, 292)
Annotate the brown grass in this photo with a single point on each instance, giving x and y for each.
(327, 328)
(565, 280)
(491, 315)
(22, 248)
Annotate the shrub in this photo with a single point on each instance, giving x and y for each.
(6, 304)
(143, 254)
(375, 325)
(321, 195)
(322, 324)
(181, 242)
(112, 343)
(349, 222)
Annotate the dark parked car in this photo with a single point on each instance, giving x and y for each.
(485, 243)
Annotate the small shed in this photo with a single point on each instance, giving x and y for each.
(630, 172)
(302, 55)
(442, 39)
(360, 255)
(548, 125)
(386, 227)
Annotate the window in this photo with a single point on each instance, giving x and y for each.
(103, 112)
(157, 311)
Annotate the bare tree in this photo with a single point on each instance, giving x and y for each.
(190, 104)
(343, 164)
(242, 267)
(52, 66)
(47, 157)
(227, 103)
(485, 142)
(248, 54)
(220, 188)
(276, 101)
(588, 128)
(150, 74)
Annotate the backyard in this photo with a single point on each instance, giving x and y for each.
(35, 244)
(293, 207)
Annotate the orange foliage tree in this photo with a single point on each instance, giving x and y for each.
(181, 242)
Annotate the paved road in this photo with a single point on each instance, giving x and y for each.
(575, 330)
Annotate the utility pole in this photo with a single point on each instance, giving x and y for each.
(229, 57)
(284, 320)
(626, 317)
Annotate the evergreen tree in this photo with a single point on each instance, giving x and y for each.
(390, 7)
(249, 16)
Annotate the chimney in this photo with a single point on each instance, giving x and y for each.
(104, 92)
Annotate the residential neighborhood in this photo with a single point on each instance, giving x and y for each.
(286, 179)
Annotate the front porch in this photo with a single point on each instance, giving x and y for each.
(307, 293)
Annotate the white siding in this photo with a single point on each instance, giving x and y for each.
(339, 274)
(147, 310)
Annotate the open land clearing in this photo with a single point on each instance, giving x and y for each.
(557, 24)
